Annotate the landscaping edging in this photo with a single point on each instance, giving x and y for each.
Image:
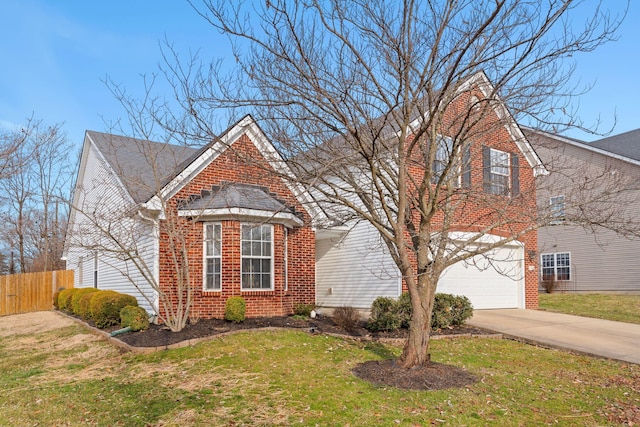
(191, 342)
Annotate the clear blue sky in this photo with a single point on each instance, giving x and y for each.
(55, 54)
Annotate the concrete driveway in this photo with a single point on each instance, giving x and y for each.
(596, 337)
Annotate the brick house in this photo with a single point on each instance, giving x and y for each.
(246, 231)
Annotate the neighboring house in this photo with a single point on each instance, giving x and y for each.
(573, 257)
(253, 234)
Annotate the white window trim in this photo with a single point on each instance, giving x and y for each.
(272, 279)
(492, 166)
(205, 257)
(555, 266)
(286, 258)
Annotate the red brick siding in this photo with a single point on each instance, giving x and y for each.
(479, 212)
(243, 163)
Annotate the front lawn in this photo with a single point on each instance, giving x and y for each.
(69, 377)
(622, 308)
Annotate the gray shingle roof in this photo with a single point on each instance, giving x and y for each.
(144, 167)
(234, 195)
(626, 144)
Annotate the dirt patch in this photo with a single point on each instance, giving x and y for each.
(434, 376)
(32, 323)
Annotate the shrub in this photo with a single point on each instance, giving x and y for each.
(384, 315)
(450, 310)
(346, 317)
(64, 299)
(303, 309)
(134, 317)
(403, 308)
(56, 295)
(75, 299)
(235, 309)
(84, 304)
(105, 307)
(388, 314)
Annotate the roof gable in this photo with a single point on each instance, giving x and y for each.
(480, 81)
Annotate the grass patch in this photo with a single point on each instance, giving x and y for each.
(293, 378)
(621, 308)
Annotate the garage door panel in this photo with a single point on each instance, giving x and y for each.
(498, 284)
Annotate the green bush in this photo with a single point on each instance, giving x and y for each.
(384, 315)
(105, 307)
(134, 317)
(303, 309)
(64, 299)
(56, 295)
(75, 299)
(84, 304)
(388, 314)
(235, 309)
(450, 310)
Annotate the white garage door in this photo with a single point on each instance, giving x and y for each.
(495, 281)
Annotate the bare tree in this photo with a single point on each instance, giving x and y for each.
(381, 108)
(35, 194)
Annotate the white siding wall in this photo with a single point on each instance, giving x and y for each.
(100, 193)
(354, 269)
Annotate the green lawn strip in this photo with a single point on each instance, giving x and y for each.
(293, 378)
(621, 308)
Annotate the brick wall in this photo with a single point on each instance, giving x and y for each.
(241, 163)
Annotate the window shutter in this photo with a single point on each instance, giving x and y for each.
(515, 175)
(486, 169)
(466, 166)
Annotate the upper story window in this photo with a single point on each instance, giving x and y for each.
(459, 173)
(256, 249)
(212, 257)
(556, 266)
(557, 209)
(500, 172)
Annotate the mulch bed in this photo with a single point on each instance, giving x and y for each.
(433, 376)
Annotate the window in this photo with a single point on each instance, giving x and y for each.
(95, 270)
(557, 209)
(442, 155)
(257, 262)
(212, 257)
(556, 266)
(500, 172)
(458, 177)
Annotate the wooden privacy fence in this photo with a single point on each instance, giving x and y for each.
(23, 293)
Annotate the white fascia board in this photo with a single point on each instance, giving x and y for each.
(331, 233)
(251, 215)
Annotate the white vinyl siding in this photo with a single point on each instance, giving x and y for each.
(212, 251)
(256, 249)
(355, 268)
(101, 191)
